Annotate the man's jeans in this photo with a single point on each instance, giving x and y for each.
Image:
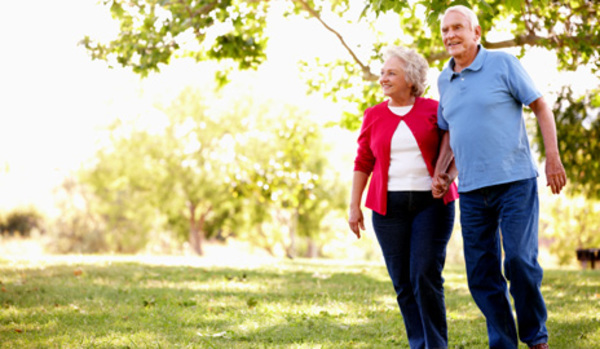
(506, 215)
(413, 236)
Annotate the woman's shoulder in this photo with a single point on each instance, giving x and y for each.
(375, 109)
(427, 103)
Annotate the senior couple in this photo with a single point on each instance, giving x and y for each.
(413, 148)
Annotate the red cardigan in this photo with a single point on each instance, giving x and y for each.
(374, 141)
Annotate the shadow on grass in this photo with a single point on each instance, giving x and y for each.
(292, 304)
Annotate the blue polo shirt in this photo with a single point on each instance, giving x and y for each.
(482, 107)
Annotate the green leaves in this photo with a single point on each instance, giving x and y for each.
(241, 48)
(233, 31)
(151, 32)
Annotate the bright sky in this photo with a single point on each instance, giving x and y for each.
(54, 99)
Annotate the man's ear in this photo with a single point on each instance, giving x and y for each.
(478, 33)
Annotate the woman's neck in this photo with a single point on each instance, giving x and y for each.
(401, 102)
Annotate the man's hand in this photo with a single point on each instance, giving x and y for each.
(440, 185)
(556, 176)
(356, 221)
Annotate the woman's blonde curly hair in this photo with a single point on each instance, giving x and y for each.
(415, 67)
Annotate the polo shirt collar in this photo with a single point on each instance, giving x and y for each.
(476, 65)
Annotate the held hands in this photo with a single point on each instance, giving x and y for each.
(440, 185)
(356, 221)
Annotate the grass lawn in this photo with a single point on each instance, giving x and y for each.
(117, 302)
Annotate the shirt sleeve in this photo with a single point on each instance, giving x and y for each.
(520, 84)
(441, 121)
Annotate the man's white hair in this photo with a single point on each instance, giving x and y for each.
(467, 12)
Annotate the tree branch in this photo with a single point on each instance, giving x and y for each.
(204, 10)
(367, 75)
(520, 40)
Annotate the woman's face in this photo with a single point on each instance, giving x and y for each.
(392, 79)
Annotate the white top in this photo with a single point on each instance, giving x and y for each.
(408, 171)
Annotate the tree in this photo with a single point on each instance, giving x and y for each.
(152, 32)
(170, 179)
(79, 228)
(212, 173)
(285, 177)
(199, 154)
(118, 191)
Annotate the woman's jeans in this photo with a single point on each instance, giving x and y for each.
(507, 215)
(413, 236)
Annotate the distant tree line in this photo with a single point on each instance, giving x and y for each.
(256, 172)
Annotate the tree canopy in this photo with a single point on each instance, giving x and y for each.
(153, 32)
(204, 173)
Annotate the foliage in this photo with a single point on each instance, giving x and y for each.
(119, 185)
(215, 172)
(21, 221)
(78, 229)
(112, 302)
(152, 32)
(283, 169)
(578, 129)
(171, 179)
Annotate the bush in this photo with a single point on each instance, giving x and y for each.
(21, 221)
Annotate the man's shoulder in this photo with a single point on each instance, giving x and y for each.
(500, 57)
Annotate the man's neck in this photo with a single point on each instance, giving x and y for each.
(465, 60)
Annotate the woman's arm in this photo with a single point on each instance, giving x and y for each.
(356, 219)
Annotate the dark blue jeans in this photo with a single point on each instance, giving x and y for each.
(506, 216)
(413, 236)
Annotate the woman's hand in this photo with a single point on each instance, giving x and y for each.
(440, 185)
(356, 221)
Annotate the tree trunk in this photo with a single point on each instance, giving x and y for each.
(313, 249)
(196, 235)
(268, 247)
(291, 250)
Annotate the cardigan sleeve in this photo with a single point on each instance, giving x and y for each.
(365, 159)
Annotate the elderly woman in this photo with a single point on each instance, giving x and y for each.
(399, 144)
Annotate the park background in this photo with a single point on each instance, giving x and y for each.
(99, 166)
(59, 104)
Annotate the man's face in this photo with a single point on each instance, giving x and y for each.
(460, 40)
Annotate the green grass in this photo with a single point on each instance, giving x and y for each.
(124, 303)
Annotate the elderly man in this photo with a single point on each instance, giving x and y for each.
(482, 94)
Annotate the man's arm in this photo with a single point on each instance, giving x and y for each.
(556, 176)
(445, 169)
